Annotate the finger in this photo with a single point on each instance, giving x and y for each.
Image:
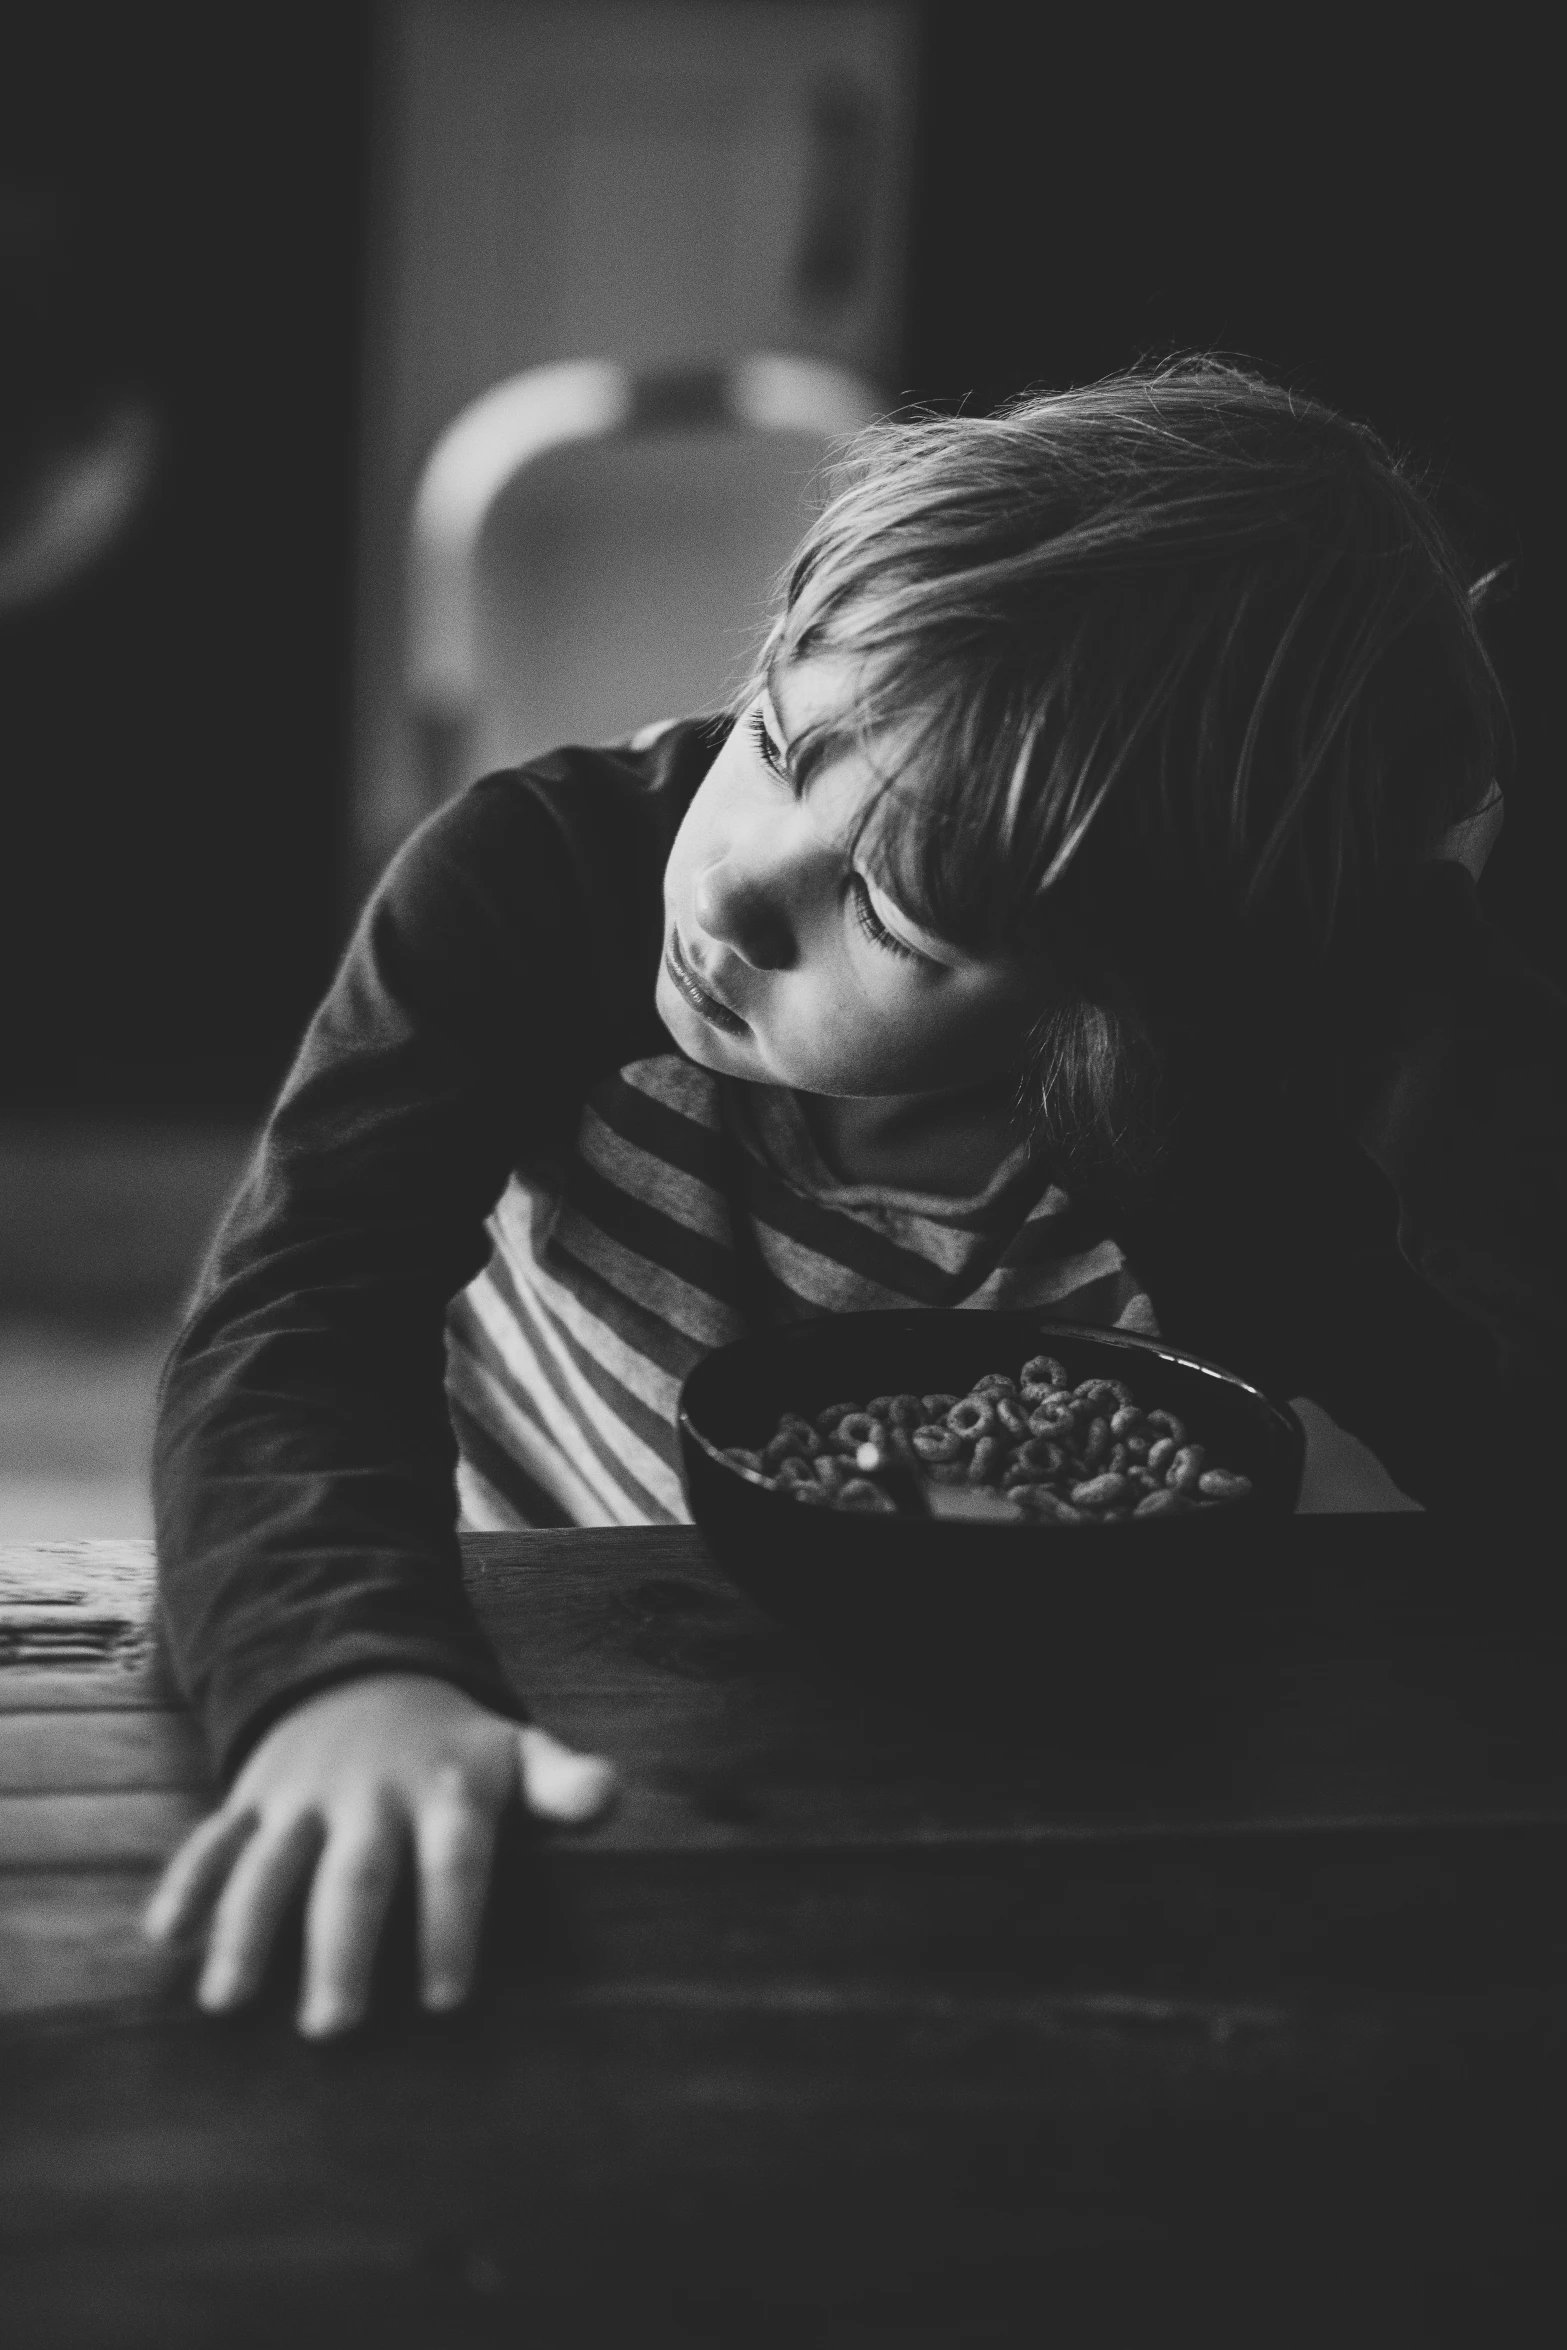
(353, 1891)
(454, 1842)
(560, 1784)
(265, 1879)
(189, 1884)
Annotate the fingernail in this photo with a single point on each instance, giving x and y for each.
(565, 1786)
(323, 2017)
(594, 1783)
(440, 1996)
(217, 1987)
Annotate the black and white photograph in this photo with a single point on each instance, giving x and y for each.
(770, 764)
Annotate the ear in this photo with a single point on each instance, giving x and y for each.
(1471, 842)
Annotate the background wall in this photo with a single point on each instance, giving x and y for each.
(181, 224)
(181, 198)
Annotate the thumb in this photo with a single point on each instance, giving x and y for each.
(557, 1782)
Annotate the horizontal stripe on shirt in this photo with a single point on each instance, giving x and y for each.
(693, 1211)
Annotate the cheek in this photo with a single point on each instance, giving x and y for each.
(690, 851)
(910, 1043)
(678, 865)
(943, 1052)
(953, 1043)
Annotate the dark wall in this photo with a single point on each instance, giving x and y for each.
(1371, 225)
(174, 727)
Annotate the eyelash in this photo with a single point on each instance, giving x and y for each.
(876, 932)
(766, 750)
(859, 896)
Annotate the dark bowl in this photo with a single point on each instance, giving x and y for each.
(950, 1593)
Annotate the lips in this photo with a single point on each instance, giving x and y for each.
(712, 1008)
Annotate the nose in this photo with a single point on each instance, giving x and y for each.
(746, 911)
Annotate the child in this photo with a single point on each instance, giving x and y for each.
(1070, 913)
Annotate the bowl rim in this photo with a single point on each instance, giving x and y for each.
(1134, 1341)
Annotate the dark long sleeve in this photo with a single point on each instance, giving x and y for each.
(303, 1471)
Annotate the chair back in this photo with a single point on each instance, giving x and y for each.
(594, 548)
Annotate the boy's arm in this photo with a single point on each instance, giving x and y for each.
(303, 1461)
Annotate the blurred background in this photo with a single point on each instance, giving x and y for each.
(256, 265)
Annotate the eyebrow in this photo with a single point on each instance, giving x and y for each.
(817, 755)
(821, 742)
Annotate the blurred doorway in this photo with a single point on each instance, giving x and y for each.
(653, 182)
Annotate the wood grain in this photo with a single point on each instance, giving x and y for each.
(54, 1752)
(681, 2163)
(1205, 1926)
(728, 1734)
(860, 2020)
(80, 1612)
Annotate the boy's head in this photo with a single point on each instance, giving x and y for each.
(1173, 679)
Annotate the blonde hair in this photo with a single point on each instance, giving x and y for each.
(1186, 682)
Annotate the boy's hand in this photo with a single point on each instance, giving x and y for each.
(336, 1795)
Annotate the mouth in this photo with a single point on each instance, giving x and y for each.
(716, 1014)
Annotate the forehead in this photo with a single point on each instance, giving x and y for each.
(815, 694)
(832, 757)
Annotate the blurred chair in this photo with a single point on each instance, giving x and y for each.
(595, 548)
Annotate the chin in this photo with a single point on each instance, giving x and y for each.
(726, 1056)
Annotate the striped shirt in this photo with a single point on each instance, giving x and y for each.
(693, 1210)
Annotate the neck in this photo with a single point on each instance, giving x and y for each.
(950, 1143)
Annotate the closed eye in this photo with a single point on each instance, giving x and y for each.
(876, 930)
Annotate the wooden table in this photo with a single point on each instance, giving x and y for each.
(851, 2025)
